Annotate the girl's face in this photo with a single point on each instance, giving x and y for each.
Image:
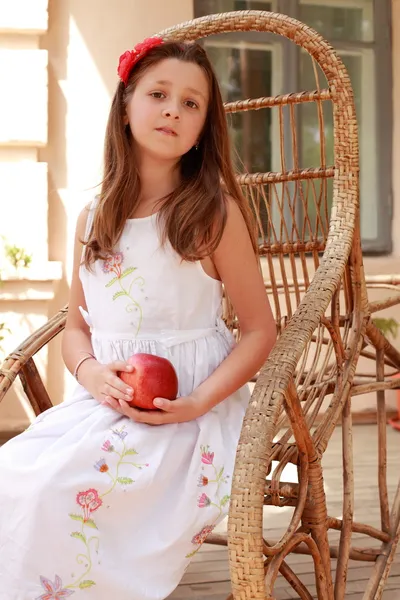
(168, 108)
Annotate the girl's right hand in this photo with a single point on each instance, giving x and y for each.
(102, 381)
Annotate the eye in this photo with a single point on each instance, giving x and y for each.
(191, 104)
(157, 95)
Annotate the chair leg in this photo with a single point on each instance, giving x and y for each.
(34, 388)
(348, 503)
(377, 581)
(315, 519)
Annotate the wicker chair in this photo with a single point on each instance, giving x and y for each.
(314, 273)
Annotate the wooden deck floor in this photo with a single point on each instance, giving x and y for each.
(208, 575)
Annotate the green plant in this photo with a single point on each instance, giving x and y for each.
(4, 329)
(387, 326)
(17, 256)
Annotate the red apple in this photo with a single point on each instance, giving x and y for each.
(152, 377)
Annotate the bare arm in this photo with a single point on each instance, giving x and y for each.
(100, 380)
(76, 339)
(238, 268)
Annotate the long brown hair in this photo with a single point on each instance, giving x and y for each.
(194, 215)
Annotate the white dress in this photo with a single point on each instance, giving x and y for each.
(94, 506)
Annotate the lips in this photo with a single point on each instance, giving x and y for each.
(167, 131)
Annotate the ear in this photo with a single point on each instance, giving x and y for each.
(126, 120)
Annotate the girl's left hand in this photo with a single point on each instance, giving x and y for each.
(180, 410)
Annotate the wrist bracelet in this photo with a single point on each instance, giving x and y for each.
(88, 355)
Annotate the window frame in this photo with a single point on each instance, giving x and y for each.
(381, 45)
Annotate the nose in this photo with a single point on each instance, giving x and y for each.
(172, 112)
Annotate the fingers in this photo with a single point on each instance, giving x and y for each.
(173, 406)
(116, 388)
(112, 403)
(164, 404)
(131, 412)
(148, 417)
(121, 365)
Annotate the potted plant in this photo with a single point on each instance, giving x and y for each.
(391, 327)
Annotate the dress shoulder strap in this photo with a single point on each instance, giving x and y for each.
(90, 217)
(89, 222)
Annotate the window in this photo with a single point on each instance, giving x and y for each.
(209, 7)
(258, 64)
(246, 68)
(236, 65)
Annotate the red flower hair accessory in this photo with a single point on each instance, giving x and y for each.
(128, 59)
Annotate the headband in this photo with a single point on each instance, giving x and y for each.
(128, 59)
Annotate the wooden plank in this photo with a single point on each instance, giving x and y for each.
(219, 571)
(387, 595)
(218, 591)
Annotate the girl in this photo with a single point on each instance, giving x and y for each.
(99, 500)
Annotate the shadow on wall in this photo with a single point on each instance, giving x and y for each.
(111, 28)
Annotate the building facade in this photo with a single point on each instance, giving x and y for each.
(58, 71)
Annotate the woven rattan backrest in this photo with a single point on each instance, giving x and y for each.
(293, 203)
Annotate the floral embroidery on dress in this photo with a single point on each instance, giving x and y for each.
(201, 537)
(90, 501)
(53, 591)
(206, 500)
(113, 264)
